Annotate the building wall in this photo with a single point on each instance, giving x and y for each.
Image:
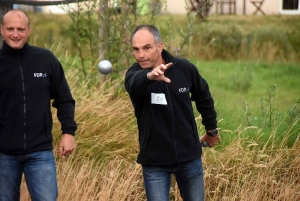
(176, 6)
(270, 7)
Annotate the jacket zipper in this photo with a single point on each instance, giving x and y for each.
(24, 99)
(173, 129)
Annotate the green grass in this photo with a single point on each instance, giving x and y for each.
(238, 85)
(221, 75)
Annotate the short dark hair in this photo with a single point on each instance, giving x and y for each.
(152, 29)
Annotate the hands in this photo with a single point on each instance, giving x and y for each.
(211, 141)
(158, 73)
(67, 145)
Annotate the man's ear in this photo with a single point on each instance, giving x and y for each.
(160, 47)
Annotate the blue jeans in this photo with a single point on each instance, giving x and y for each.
(40, 174)
(189, 178)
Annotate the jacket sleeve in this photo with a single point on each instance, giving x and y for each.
(136, 82)
(204, 102)
(62, 98)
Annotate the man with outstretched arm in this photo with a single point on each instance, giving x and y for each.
(162, 88)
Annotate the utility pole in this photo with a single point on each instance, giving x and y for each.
(103, 27)
(103, 31)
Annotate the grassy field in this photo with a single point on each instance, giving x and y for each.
(256, 99)
(233, 83)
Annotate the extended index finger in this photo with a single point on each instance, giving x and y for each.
(169, 64)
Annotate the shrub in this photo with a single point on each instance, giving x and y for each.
(294, 40)
(220, 41)
(271, 43)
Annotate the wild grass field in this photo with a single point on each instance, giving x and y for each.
(257, 97)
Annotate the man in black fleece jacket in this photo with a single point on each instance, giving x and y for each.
(30, 77)
(162, 88)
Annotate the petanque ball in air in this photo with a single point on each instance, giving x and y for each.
(105, 67)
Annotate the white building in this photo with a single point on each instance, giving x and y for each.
(269, 7)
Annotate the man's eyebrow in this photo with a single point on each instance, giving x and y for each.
(142, 46)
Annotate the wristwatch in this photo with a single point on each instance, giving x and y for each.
(213, 132)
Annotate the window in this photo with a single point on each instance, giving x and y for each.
(290, 5)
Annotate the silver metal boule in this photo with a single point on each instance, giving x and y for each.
(105, 67)
(204, 144)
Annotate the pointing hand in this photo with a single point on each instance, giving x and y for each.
(158, 73)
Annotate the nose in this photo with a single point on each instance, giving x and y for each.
(15, 33)
(141, 54)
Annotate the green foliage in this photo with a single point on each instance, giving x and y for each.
(241, 79)
(265, 107)
(272, 121)
(294, 40)
(226, 41)
(269, 38)
(266, 117)
(294, 112)
(271, 42)
(95, 34)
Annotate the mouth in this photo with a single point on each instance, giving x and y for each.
(144, 62)
(15, 40)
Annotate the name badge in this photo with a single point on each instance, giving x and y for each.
(159, 99)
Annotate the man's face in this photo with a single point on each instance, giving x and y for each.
(15, 29)
(146, 50)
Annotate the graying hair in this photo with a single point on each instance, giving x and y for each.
(152, 29)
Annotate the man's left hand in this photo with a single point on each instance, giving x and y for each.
(67, 145)
(211, 141)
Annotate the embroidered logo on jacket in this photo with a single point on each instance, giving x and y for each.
(184, 89)
(40, 74)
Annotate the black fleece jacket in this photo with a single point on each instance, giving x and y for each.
(29, 79)
(167, 128)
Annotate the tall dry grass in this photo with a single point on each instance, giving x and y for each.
(245, 170)
(103, 166)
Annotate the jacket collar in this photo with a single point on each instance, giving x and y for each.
(7, 49)
(168, 57)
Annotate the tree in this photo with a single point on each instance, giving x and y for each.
(3, 9)
(201, 7)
